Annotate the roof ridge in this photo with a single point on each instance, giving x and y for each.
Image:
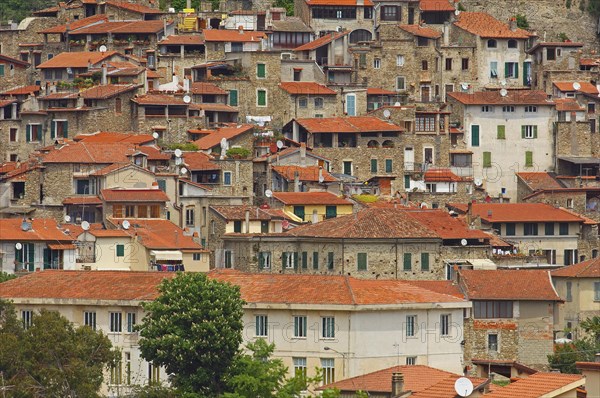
(349, 286)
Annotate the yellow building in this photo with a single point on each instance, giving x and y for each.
(312, 206)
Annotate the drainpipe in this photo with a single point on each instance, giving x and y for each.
(247, 221)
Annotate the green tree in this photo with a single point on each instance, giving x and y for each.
(193, 329)
(6, 277)
(522, 21)
(581, 350)
(592, 327)
(287, 4)
(52, 357)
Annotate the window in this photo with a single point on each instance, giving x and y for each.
(487, 159)
(592, 126)
(465, 64)
(487, 109)
(130, 322)
(190, 217)
(300, 326)
(563, 228)
(569, 292)
(596, 291)
(264, 260)
(303, 102)
(120, 250)
(289, 260)
(261, 97)
(510, 229)
(512, 43)
(528, 159)
(261, 326)
(115, 322)
(425, 123)
(128, 368)
(497, 227)
(376, 63)
(501, 132)
(508, 109)
(27, 318)
(334, 12)
(328, 327)
(228, 259)
(390, 13)
(528, 132)
(318, 103)
(368, 12)
(530, 109)
(13, 135)
(492, 309)
(550, 54)
(89, 319)
(227, 178)
(328, 365)
(493, 342)
(1, 70)
(299, 212)
(493, 69)
(373, 165)
(448, 64)
(197, 256)
(347, 167)
(407, 266)
(424, 261)
(233, 98)
(411, 360)
(422, 41)
(424, 65)
(491, 43)
(361, 261)
(399, 60)
(237, 226)
(33, 132)
(474, 135)
(549, 228)
(153, 373)
(400, 83)
(116, 373)
(389, 165)
(530, 229)
(299, 367)
(118, 105)
(511, 69)
(445, 324)
(330, 260)
(411, 321)
(297, 74)
(236, 47)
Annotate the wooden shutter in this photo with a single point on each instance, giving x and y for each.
(516, 70)
(475, 135)
(31, 256)
(534, 131)
(501, 132)
(53, 129)
(261, 260)
(260, 70)
(120, 250)
(28, 133)
(373, 165)
(233, 98)
(407, 261)
(487, 159)
(66, 129)
(388, 165)
(523, 130)
(315, 260)
(284, 257)
(362, 261)
(304, 260)
(528, 159)
(295, 260)
(506, 74)
(424, 261)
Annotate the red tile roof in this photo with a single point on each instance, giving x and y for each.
(514, 97)
(111, 137)
(212, 140)
(518, 212)
(327, 289)
(417, 378)
(585, 269)
(321, 41)
(94, 285)
(82, 200)
(109, 233)
(380, 91)
(198, 161)
(441, 175)
(539, 385)
(133, 195)
(508, 285)
(308, 173)
(76, 59)
(306, 88)
(214, 107)
(310, 198)
(139, 8)
(42, 229)
(586, 87)
(6, 102)
(588, 62)
(12, 60)
(77, 24)
(182, 40)
(367, 3)
(23, 90)
(568, 105)
(161, 235)
(554, 44)
(239, 212)
(539, 180)
(92, 152)
(121, 27)
(484, 25)
(220, 35)
(445, 226)
(354, 124)
(436, 5)
(421, 31)
(107, 91)
(207, 88)
(158, 99)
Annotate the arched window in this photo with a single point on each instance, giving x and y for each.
(360, 35)
(373, 144)
(491, 43)
(388, 144)
(512, 43)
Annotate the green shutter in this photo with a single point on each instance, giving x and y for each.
(262, 97)
(534, 131)
(315, 260)
(506, 74)
(233, 97)
(373, 165)
(28, 133)
(1, 70)
(388, 165)
(424, 261)
(516, 70)
(66, 129)
(523, 129)
(120, 250)
(19, 256)
(261, 261)
(475, 135)
(284, 257)
(31, 256)
(528, 159)
(487, 159)
(299, 211)
(330, 260)
(406, 182)
(501, 132)
(330, 212)
(260, 70)
(362, 261)
(295, 260)
(304, 260)
(47, 259)
(52, 129)
(407, 262)
(162, 185)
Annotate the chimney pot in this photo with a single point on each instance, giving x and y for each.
(397, 383)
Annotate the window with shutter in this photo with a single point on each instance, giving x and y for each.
(304, 260)
(407, 262)
(120, 250)
(501, 132)
(373, 165)
(233, 98)
(53, 129)
(424, 261)
(261, 98)
(388, 165)
(528, 159)
(261, 71)
(330, 260)
(475, 135)
(315, 260)
(487, 159)
(361, 259)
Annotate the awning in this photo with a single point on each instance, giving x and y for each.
(483, 263)
(579, 160)
(63, 246)
(173, 255)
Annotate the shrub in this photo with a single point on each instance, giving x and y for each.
(239, 153)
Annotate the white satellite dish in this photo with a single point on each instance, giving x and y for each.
(478, 182)
(67, 218)
(576, 86)
(423, 205)
(25, 226)
(397, 104)
(187, 99)
(503, 83)
(456, 12)
(463, 387)
(268, 193)
(85, 225)
(102, 48)
(155, 135)
(321, 179)
(126, 224)
(178, 161)
(464, 86)
(463, 242)
(178, 152)
(18, 246)
(504, 92)
(183, 170)
(386, 113)
(279, 144)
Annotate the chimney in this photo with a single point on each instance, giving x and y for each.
(241, 29)
(321, 178)
(154, 185)
(315, 217)
(512, 24)
(303, 154)
(469, 213)
(247, 221)
(446, 33)
(104, 80)
(397, 384)
(296, 181)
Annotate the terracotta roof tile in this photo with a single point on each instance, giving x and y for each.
(95, 285)
(162, 235)
(159, 99)
(589, 62)
(337, 3)
(308, 173)
(445, 226)
(221, 35)
(484, 25)
(421, 31)
(42, 229)
(133, 195)
(518, 212)
(508, 285)
(310, 198)
(77, 24)
(198, 161)
(82, 200)
(121, 27)
(211, 140)
(354, 124)
(380, 91)
(514, 97)
(586, 87)
(539, 180)
(107, 91)
(139, 8)
(290, 24)
(553, 44)
(239, 212)
(93, 152)
(12, 60)
(306, 88)
(6, 102)
(585, 269)
(538, 385)
(441, 175)
(207, 88)
(436, 5)
(112, 137)
(568, 105)
(182, 39)
(321, 41)
(23, 90)
(76, 59)
(214, 107)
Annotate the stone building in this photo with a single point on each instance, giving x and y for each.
(312, 206)
(513, 316)
(309, 99)
(13, 73)
(555, 61)
(332, 16)
(64, 67)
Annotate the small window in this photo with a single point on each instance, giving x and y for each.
(328, 327)
(297, 74)
(389, 165)
(563, 228)
(530, 109)
(300, 326)
(120, 250)
(445, 324)
(528, 132)
(400, 83)
(422, 41)
(596, 291)
(89, 319)
(399, 60)
(262, 329)
(411, 360)
(424, 261)
(318, 103)
(569, 203)
(330, 260)
(424, 65)
(197, 256)
(512, 43)
(501, 132)
(361, 261)
(411, 323)
(264, 260)
(508, 109)
(549, 228)
(487, 109)
(13, 137)
(303, 102)
(115, 322)
(493, 342)
(237, 226)
(569, 291)
(550, 54)
(27, 318)
(510, 229)
(261, 71)
(448, 63)
(465, 64)
(130, 322)
(118, 105)
(261, 97)
(227, 178)
(407, 264)
(491, 43)
(373, 165)
(487, 159)
(376, 63)
(494, 69)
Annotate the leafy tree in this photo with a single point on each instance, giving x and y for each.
(592, 327)
(194, 330)
(582, 350)
(593, 7)
(522, 21)
(51, 357)
(287, 4)
(17, 10)
(6, 276)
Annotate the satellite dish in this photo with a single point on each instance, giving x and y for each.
(155, 135)
(387, 113)
(321, 179)
(268, 193)
(576, 86)
(178, 152)
(464, 86)
(279, 144)
(178, 161)
(67, 218)
(102, 48)
(456, 12)
(18, 246)
(503, 83)
(463, 242)
(463, 387)
(183, 170)
(126, 224)
(187, 99)
(504, 92)
(423, 205)
(478, 182)
(25, 226)
(85, 225)
(397, 104)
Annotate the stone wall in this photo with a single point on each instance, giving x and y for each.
(574, 139)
